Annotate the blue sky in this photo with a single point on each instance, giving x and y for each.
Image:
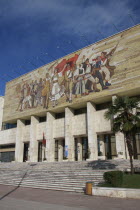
(31, 28)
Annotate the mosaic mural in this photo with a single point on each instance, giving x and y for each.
(79, 75)
(94, 73)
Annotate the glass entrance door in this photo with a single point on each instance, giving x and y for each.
(56, 150)
(63, 144)
(84, 148)
(76, 150)
(26, 152)
(137, 146)
(39, 151)
(110, 146)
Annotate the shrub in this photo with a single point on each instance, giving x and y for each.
(115, 178)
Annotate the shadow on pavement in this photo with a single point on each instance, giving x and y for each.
(16, 186)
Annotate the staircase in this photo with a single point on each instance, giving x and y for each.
(66, 176)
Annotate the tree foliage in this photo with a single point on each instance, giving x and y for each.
(125, 116)
(122, 113)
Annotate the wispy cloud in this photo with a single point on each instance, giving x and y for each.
(65, 15)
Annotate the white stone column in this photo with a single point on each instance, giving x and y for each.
(92, 136)
(79, 144)
(69, 139)
(102, 145)
(19, 141)
(33, 139)
(60, 150)
(50, 142)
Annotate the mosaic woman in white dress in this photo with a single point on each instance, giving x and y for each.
(57, 90)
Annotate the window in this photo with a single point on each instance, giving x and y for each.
(7, 146)
(103, 106)
(42, 119)
(27, 122)
(80, 111)
(6, 126)
(60, 115)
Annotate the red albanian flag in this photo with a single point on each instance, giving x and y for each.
(61, 65)
(72, 60)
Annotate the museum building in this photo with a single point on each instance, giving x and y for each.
(56, 112)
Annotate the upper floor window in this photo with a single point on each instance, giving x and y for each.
(6, 126)
(7, 146)
(27, 122)
(60, 115)
(103, 106)
(42, 119)
(80, 111)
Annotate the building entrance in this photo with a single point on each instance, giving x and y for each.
(110, 146)
(40, 148)
(136, 146)
(81, 148)
(76, 149)
(41, 151)
(26, 152)
(60, 149)
(84, 148)
(56, 150)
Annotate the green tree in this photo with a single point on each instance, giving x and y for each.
(125, 118)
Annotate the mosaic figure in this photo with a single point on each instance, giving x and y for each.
(79, 75)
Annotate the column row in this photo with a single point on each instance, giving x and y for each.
(68, 136)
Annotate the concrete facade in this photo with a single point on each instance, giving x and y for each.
(63, 129)
(75, 128)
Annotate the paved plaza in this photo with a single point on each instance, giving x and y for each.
(13, 198)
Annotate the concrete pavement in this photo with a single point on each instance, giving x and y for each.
(13, 198)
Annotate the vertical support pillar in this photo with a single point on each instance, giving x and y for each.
(19, 141)
(69, 139)
(60, 150)
(92, 136)
(79, 144)
(33, 139)
(50, 142)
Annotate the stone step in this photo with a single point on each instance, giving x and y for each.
(54, 171)
(60, 180)
(46, 180)
(34, 183)
(51, 181)
(50, 175)
(66, 176)
(68, 186)
(50, 188)
(46, 185)
(47, 172)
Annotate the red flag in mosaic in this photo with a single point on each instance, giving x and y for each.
(61, 65)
